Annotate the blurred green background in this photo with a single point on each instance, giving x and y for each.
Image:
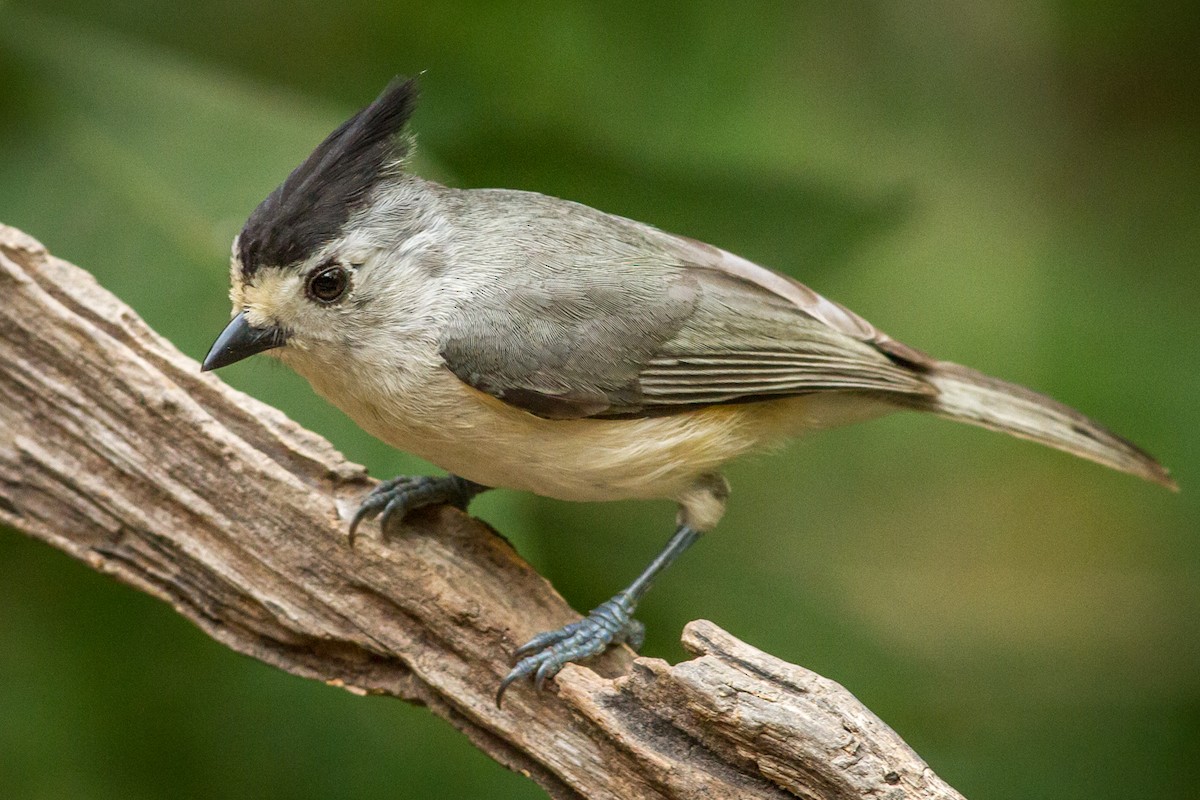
(1012, 185)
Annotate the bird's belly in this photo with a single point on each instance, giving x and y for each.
(489, 442)
(589, 460)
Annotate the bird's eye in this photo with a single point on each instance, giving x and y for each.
(328, 284)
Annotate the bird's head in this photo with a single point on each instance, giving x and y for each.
(303, 266)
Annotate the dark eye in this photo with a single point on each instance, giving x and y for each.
(328, 284)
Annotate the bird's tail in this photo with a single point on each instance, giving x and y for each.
(969, 396)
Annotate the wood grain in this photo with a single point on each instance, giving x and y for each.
(116, 449)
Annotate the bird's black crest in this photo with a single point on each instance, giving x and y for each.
(311, 206)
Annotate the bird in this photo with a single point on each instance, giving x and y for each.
(527, 342)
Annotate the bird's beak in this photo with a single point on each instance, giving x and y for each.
(239, 340)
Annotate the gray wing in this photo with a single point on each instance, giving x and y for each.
(584, 314)
(564, 347)
(744, 343)
(637, 341)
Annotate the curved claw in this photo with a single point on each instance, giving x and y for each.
(399, 504)
(353, 531)
(367, 509)
(544, 640)
(375, 500)
(544, 672)
(544, 655)
(407, 493)
(509, 679)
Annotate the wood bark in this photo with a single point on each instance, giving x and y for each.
(116, 449)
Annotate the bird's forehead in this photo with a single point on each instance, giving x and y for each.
(278, 233)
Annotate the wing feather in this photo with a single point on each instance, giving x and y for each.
(635, 322)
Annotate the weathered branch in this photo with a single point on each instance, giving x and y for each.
(116, 449)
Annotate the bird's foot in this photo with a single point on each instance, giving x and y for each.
(609, 624)
(397, 497)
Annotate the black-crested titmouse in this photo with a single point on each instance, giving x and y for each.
(527, 342)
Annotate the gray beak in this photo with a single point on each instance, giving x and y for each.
(239, 341)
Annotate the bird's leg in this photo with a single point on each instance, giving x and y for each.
(612, 622)
(608, 624)
(406, 493)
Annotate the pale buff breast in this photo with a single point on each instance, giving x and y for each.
(474, 435)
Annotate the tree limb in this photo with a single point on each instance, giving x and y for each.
(116, 449)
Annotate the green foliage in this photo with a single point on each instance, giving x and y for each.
(1012, 186)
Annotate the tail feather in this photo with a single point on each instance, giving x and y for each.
(969, 396)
